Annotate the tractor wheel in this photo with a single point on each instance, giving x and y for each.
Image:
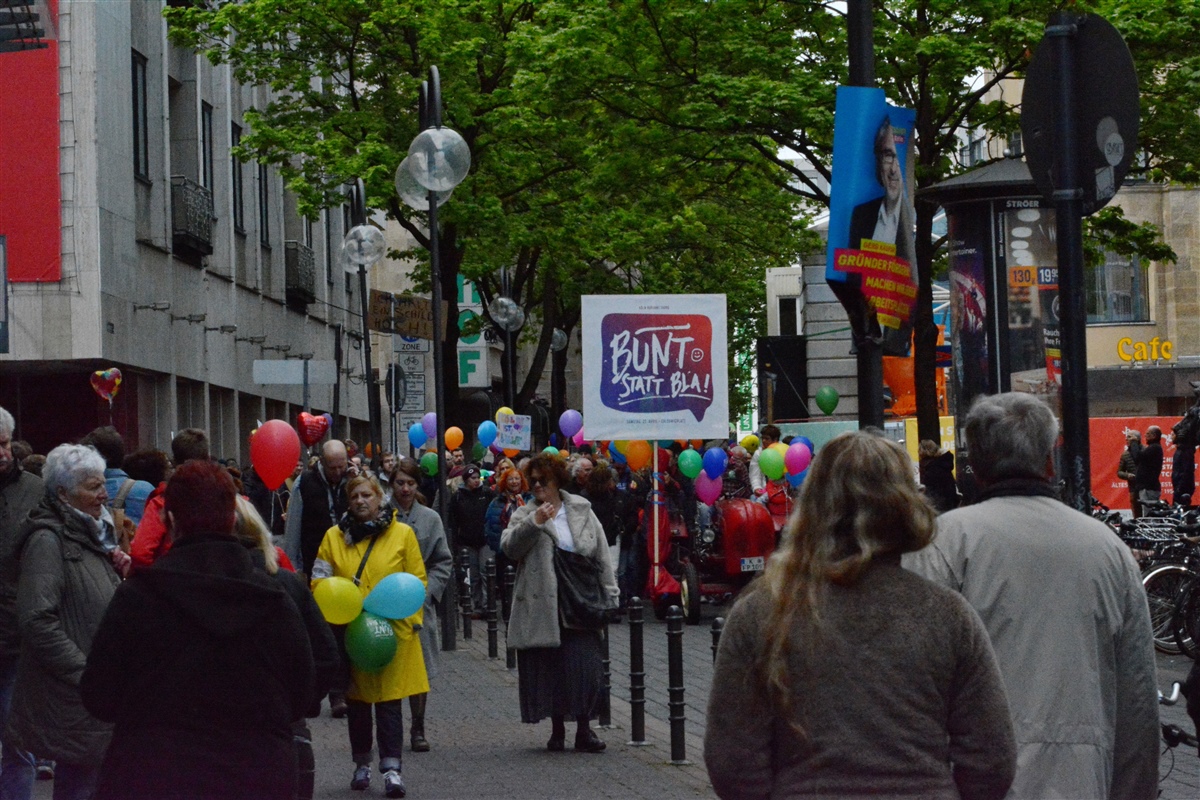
(689, 594)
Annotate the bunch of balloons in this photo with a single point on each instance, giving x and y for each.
(370, 639)
(793, 460)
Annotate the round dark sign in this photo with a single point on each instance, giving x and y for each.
(1105, 94)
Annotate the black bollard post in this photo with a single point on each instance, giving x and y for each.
(605, 716)
(675, 707)
(493, 626)
(510, 578)
(717, 626)
(464, 589)
(637, 675)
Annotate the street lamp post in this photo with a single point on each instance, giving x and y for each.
(509, 315)
(364, 245)
(438, 160)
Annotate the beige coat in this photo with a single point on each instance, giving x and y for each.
(534, 618)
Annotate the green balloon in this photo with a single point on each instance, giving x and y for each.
(478, 451)
(429, 463)
(370, 642)
(771, 464)
(827, 399)
(690, 463)
(551, 449)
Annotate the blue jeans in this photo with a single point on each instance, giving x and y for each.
(16, 766)
(389, 727)
(75, 781)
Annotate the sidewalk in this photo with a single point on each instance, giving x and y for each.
(482, 750)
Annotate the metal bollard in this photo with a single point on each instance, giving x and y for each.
(510, 579)
(605, 716)
(717, 626)
(637, 675)
(493, 625)
(675, 706)
(464, 590)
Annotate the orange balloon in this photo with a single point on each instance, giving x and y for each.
(698, 445)
(511, 453)
(637, 453)
(454, 438)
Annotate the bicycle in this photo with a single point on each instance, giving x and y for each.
(1172, 734)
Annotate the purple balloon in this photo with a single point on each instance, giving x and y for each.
(708, 489)
(429, 424)
(714, 462)
(570, 422)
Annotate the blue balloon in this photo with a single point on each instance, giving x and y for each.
(397, 596)
(615, 454)
(554, 439)
(416, 436)
(807, 442)
(797, 479)
(714, 462)
(487, 433)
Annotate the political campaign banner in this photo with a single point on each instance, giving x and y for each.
(655, 367)
(1106, 436)
(871, 263)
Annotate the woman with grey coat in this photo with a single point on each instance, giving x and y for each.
(69, 571)
(435, 552)
(559, 668)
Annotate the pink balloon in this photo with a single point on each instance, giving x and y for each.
(708, 489)
(578, 439)
(797, 458)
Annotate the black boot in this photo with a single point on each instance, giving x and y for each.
(416, 704)
(586, 740)
(558, 735)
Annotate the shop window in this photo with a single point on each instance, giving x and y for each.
(1118, 290)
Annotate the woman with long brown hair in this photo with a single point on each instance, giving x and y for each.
(839, 672)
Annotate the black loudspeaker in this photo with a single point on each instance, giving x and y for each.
(782, 378)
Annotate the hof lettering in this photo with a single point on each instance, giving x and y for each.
(654, 363)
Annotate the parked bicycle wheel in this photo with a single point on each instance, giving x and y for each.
(1185, 624)
(1163, 585)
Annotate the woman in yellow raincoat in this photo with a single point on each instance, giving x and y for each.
(367, 546)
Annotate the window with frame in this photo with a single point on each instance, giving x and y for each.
(206, 146)
(141, 118)
(236, 188)
(264, 210)
(1118, 290)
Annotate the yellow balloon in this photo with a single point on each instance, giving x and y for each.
(621, 444)
(339, 599)
(750, 442)
(780, 447)
(502, 410)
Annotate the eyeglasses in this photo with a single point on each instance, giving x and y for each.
(538, 481)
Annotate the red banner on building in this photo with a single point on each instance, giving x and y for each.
(30, 192)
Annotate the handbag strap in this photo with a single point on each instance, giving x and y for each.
(363, 564)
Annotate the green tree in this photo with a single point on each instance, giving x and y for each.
(570, 196)
(771, 68)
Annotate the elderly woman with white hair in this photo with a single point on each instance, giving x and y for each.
(70, 568)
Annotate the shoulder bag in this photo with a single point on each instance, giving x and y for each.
(581, 598)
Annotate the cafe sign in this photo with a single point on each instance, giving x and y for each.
(1153, 350)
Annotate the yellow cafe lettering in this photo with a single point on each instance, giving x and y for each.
(1153, 350)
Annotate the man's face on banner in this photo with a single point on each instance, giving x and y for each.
(887, 167)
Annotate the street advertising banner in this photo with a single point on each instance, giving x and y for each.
(871, 252)
(514, 431)
(655, 366)
(1107, 440)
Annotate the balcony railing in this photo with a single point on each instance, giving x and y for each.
(301, 273)
(191, 217)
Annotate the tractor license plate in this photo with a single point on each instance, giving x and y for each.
(754, 564)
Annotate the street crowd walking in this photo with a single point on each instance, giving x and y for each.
(165, 627)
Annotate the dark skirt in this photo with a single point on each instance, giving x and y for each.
(564, 681)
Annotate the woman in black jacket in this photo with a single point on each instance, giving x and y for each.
(202, 662)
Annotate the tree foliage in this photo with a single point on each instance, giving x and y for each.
(570, 196)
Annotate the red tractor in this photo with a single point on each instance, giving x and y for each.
(717, 561)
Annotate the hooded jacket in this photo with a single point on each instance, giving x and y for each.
(202, 662)
(20, 491)
(66, 582)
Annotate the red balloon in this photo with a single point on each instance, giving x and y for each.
(274, 452)
(312, 428)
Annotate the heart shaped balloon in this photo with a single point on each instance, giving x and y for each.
(312, 428)
(106, 382)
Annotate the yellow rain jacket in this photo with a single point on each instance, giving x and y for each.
(396, 550)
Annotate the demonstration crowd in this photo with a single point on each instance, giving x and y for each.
(163, 632)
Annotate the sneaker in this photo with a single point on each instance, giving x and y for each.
(361, 779)
(337, 706)
(393, 784)
(45, 769)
